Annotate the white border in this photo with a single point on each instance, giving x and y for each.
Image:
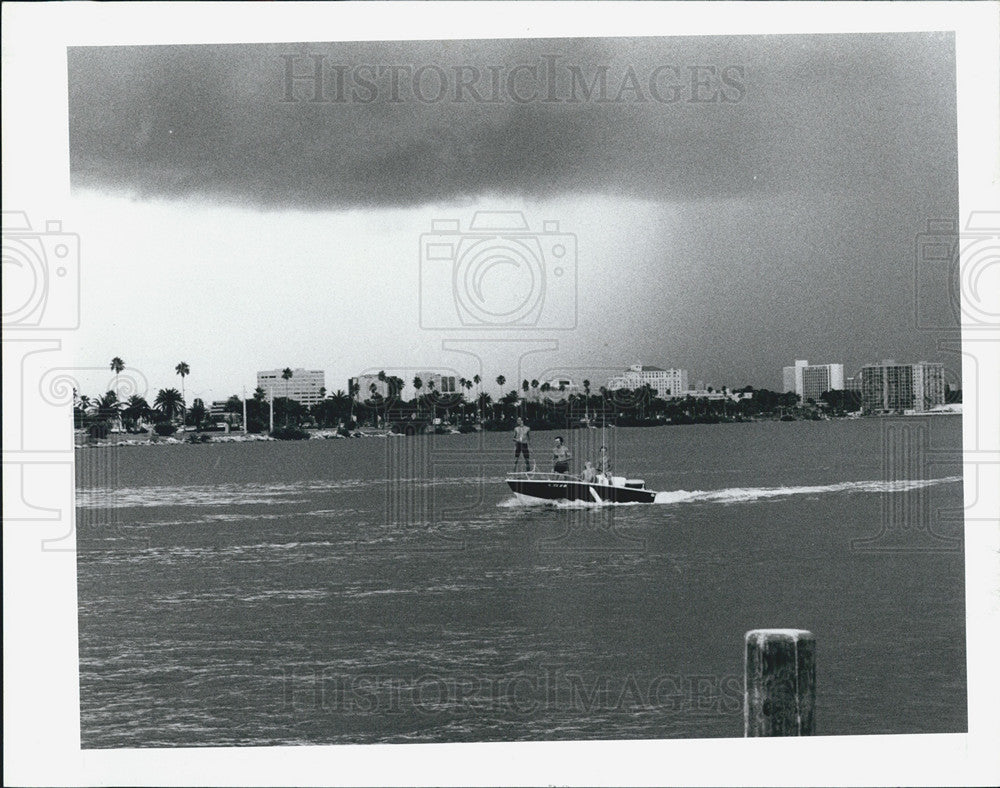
(40, 649)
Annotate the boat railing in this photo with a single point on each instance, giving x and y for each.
(552, 476)
(543, 476)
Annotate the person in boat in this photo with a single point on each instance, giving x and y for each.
(589, 474)
(604, 464)
(560, 457)
(522, 432)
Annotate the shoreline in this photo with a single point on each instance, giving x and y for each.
(195, 438)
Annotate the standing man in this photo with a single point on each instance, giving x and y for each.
(560, 457)
(521, 434)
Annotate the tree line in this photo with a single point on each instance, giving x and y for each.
(384, 406)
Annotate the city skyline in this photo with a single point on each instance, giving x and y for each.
(639, 374)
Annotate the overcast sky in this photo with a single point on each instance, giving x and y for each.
(726, 204)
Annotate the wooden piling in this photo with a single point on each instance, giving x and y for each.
(779, 689)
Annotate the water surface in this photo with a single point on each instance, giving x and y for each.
(391, 590)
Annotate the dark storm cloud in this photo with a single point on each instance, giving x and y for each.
(815, 114)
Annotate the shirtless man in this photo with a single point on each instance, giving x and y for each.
(521, 434)
(560, 457)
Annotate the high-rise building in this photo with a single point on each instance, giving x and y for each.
(792, 377)
(817, 378)
(821, 377)
(664, 382)
(303, 386)
(889, 387)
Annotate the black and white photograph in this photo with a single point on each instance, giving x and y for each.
(424, 376)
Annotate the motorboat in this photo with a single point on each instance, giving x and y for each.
(550, 486)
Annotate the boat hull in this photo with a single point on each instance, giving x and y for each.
(573, 490)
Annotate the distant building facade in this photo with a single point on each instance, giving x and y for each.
(366, 385)
(666, 383)
(303, 387)
(791, 377)
(557, 389)
(889, 387)
(817, 378)
(219, 413)
(809, 381)
(438, 382)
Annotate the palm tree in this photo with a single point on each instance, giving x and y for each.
(477, 380)
(500, 381)
(461, 396)
(136, 410)
(85, 406)
(341, 402)
(117, 365)
(286, 375)
(468, 385)
(586, 401)
(183, 370)
(484, 400)
(198, 412)
(430, 396)
(170, 402)
(353, 387)
(417, 385)
(108, 403)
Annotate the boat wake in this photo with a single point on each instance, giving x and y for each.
(748, 494)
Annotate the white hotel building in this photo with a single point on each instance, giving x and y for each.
(809, 381)
(664, 382)
(304, 385)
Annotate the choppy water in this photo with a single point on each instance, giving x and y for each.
(393, 590)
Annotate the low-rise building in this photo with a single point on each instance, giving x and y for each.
(666, 383)
(438, 382)
(304, 386)
(556, 389)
